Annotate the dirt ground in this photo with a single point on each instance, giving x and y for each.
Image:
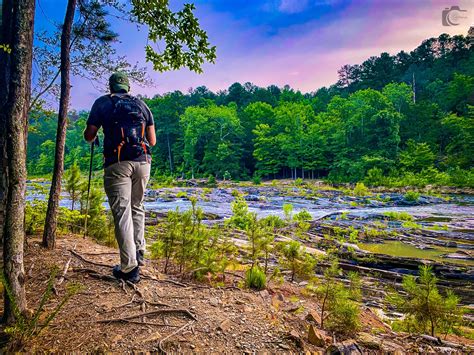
(168, 315)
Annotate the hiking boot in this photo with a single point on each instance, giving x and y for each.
(141, 257)
(132, 276)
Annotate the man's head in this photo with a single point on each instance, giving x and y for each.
(118, 82)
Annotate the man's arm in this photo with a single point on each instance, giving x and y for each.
(150, 135)
(91, 132)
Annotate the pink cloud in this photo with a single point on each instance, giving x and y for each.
(305, 56)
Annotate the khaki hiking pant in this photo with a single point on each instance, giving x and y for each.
(125, 183)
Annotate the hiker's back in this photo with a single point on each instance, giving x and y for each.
(124, 119)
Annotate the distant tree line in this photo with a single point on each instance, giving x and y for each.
(389, 116)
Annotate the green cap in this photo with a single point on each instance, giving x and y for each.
(118, 81)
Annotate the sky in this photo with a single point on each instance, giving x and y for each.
(301, 43)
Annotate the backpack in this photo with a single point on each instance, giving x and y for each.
(127, 137)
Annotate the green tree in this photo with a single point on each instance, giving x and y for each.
(425, 308)
(460, 148)
(294, 257)
(416, 156)
(73, 183)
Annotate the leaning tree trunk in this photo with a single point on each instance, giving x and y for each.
(15, 90)
(49, 234)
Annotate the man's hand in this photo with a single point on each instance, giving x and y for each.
(90, 133)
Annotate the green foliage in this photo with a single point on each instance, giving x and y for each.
(211, 181)
(191, 247)
(366, 128)
(361, 190)
(185, 42)
(240, 213)
(255, 278)
(257, 180)
(35, 214)
(25, 328)
(411, 225)
(416, 157)
(272, 221)
(412, 196)
(302, 216)
(339, 307)
(73, 183)
(398, 216)
(425, 309)
(288, 212)
(293, 256)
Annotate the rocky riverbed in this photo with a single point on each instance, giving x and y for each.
(395, 232)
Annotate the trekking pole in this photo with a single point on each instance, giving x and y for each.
(89, 187)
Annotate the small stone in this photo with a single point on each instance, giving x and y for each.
(248, 309)
(225, 325)
(316, 337)
(264, 294)
(284, 346)
(214, 301)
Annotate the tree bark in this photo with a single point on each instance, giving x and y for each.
(49, 235)
(169, 153)
(15, 90)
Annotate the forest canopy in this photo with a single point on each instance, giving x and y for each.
(406, 118)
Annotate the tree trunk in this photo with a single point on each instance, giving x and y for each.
(169, 153)
(49, 235)
(15, 91)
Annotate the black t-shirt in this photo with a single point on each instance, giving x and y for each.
(100, 115)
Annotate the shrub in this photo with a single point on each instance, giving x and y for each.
(302, 216)
(411, 225)
(374, 177)
(240, 213)
(288, 211)
(73, 183)
(211, 180)
(255, 278)
(35, 215)
(337, 301)
(272, 221)
(360, 190)
(398, 216)
(412, 196)
(257, 180)
(191, 246)
(294, 257)
(226, 176)
(424, 307)
(299, 182)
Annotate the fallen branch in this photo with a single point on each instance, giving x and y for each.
(150, 323)
(80, 257)
(66, 267)
(150, 313)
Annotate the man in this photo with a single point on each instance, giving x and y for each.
(128, 134)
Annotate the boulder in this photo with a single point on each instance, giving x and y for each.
(368, 341)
